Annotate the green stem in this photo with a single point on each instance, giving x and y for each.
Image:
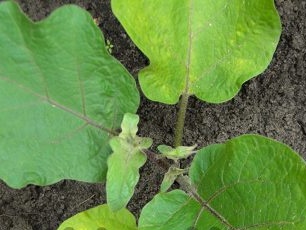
(179, 128)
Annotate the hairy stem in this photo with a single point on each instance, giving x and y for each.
(179, 127)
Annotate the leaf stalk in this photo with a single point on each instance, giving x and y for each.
(179, 127)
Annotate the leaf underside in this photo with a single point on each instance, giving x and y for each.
(100, 217)
(249, 182)
(61, 95)
(206, 48)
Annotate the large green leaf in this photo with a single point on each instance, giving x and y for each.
(100, 218)
(249, 182)
(124, 163)
(61, 95)
(208, 48)
(174, 210)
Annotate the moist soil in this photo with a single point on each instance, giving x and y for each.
(272, 104)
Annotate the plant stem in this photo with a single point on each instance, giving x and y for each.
(179, 127)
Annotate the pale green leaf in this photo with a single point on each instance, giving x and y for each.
(129, 126)
(180, 152)
(206, 48)
(61, 95)
(249, 182)
(100, 218)
(124, 163)
(170, 177)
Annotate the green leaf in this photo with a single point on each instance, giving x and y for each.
(170, 177)
(100, 218)
(61, 95)
(124, 163)
(180, 152)
(249, 182)
(173, 210)
(206, 48)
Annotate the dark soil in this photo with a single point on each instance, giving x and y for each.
(273, 104)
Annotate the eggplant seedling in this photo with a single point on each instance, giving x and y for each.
(64, 97)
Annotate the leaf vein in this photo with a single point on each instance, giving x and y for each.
(61, 107)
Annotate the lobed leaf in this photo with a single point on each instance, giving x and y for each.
(206, 48)
(124, 163)
(62, 96)
(100, 218)
(249, 182)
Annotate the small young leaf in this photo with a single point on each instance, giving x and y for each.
(170, 177)
(124, 163)
(61, 95)
(180, 152)
(100, 217)
(208, 48)
(248, 182)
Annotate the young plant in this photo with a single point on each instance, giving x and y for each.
(109, 46)
(64, 97)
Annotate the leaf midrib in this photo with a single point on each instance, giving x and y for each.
(82, 117)
(47, 98)
(189, 49)
(224, 221)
